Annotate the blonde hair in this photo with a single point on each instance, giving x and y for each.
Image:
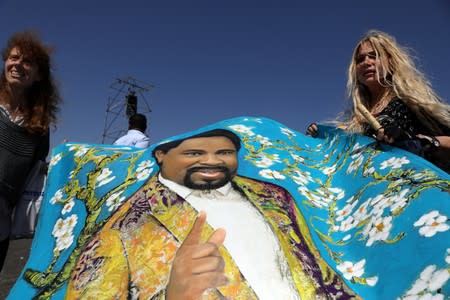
(401, 78)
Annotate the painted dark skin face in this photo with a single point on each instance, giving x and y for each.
(200, 163)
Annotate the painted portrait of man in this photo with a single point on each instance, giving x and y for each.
(259, 249)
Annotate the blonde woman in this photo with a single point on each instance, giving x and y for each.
(384, 83)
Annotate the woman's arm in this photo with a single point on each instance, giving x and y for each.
(444, 141)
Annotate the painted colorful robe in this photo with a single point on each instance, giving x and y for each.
(377, 216)
(150, 227)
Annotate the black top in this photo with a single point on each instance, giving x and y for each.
(397, 114)
(19, 150)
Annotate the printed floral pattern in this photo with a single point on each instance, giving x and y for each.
(361, 202)
(432, 223)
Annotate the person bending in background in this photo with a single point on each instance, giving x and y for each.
(383, 78)
(137, 124)
(28, 104)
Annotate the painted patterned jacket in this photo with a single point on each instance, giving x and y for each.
(131, 256)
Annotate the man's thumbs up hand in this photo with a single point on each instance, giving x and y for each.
(196, 266)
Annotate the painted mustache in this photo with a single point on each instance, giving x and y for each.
(214, 169)
(209, 184)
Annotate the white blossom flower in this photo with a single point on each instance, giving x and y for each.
(347, 224)
(59, 228)
(263, 162)
(263, 140)
(399, 182)
(394, 162)
(379, 203)
(333, 140)
(418, 176)
(287, 131)
(266, 160)
(323, 199)
(356, 150)
(432, 223)
(146, 164)
(423, 296)
(329, 195)
(103, 178)
(274, 156)
(347, 237)
(326, 194)
(64, 225)
(71, 221)
(297, 158)
(350, 270)
(79, 150)
(361, 212)
(54, 160)
(57, 197)
(340, 193)
(372, 281)
(315, 200)
(267, 173)
(399, 201)
(304, 191)
(68, 207)
(64, 241)
(329, 170)
(114, 201)
(429, 282)
(378, 230)
(350, 200)
(355, 164)
(302, 177)
(242, 129)
(144, 174)
(346, 210)
(369, 171)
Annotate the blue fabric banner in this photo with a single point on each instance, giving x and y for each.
(379, 216)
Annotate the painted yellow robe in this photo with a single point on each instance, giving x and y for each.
(131, 256)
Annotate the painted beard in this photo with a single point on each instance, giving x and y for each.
(209, 185)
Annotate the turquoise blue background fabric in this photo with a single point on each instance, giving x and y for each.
(378, 215)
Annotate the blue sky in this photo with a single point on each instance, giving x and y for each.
(213, 60)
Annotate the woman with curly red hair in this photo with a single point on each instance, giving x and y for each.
(28, 104)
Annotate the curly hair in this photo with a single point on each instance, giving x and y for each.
(41, 107)
(398, 73)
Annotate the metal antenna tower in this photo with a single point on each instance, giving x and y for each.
(127, 99)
